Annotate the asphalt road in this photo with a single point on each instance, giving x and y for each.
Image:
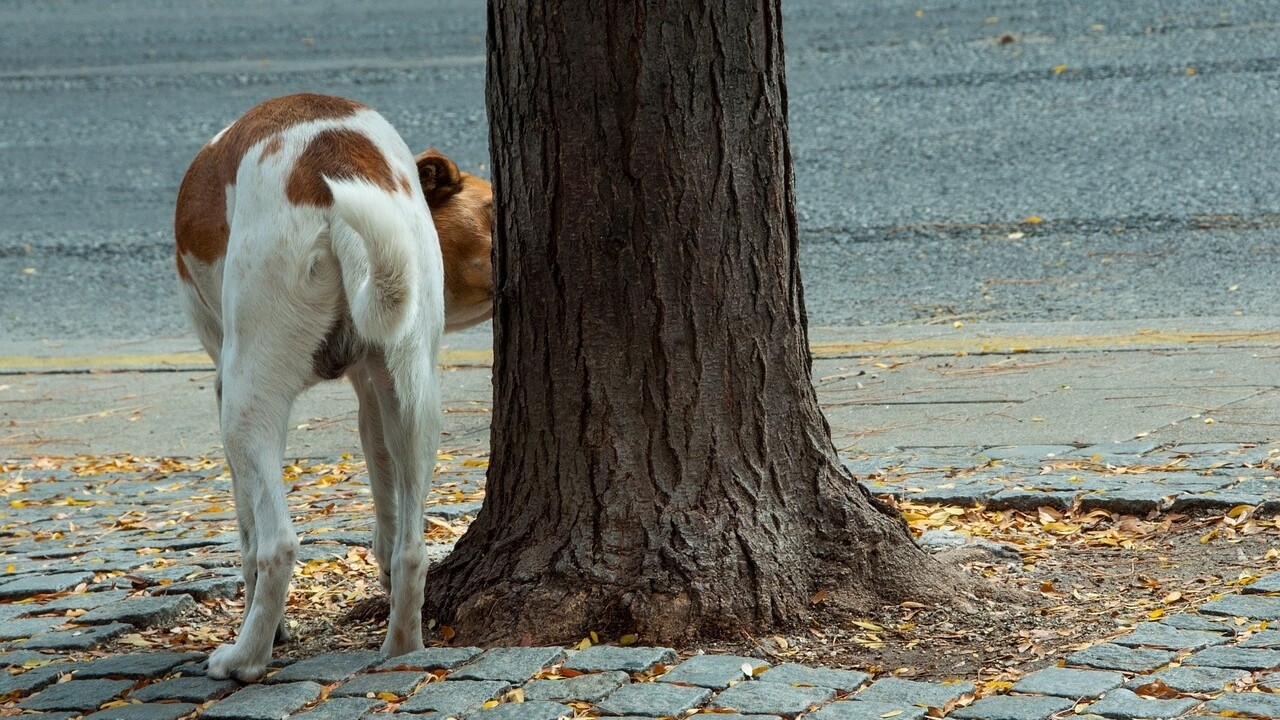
(1144, 133)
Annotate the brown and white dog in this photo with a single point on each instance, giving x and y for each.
(312, 244)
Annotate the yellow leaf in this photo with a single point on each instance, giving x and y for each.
(891, 713)
(1239, 510)
(475, 463)
(868, 626)
(1032, 220)
(595, 638)
(583, 644)
(1059, 69)
(1156, 614)
(389, 697)
(626, 640)
(1172, 597)
(489, 705)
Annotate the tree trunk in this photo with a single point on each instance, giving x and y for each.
(659, 461)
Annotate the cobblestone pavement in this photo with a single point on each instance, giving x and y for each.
(96, 551)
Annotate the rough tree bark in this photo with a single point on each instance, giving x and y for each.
(659, 461)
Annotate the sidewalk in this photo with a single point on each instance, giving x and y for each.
(130, 554)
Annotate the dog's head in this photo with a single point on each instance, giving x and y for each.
(462, 208)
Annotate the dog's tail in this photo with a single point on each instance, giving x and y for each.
(374, 247)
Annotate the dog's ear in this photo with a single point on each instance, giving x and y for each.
(439, 177)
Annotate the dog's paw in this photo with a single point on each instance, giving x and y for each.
(231, 661)
(398, 644)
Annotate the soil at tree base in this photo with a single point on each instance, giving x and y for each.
(1066, 596)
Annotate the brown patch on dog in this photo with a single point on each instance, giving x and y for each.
(439, 177)
(464, 222)
(271, 148)
(336, 153)
(405, 186)
(200, 223)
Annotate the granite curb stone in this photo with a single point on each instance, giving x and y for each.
(529, 710)
(264, 702)
(512, 664)
(1255, 704)
(144, 711)
(591, 687)
(434, 658)
(649, 699)
(193, 689)
(1069, 683)
(866, 710)
(341, 709)
(1109, 656)
(627, 659)
(82, 695)
(1124, 704)
(1190, 679)
(1013, 707)
(328, 667)
(791, 673)
(712, 671)
(911, 692)
(763, 698)
(455, 698)
(399, 683)
(1236, 657)
(146, 611)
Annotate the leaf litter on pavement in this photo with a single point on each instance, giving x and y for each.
(1086, 576)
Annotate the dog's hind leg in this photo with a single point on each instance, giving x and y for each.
(378, 460)
(409, 396)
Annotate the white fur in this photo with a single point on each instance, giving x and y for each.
(289, 274)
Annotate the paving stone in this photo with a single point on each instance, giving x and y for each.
(31, 680)
(263, 702)
(400, 684)
(1256, 607)
(345, 538)
(1138, 500)
(21, 657)
(866, 710)
(626, 659)
(771, 698)
(965, 495)
(1262, 639)
(1030, 500)
(1270, 680)
(791, 674)
(513, 664)
(1190, 679)
(213, 588)
(433, 658)
(144, 711)
(1265, 584)
(529, 710)
(911, 692)
(653, 699)
(81, 601)
(1109, 656)
(1026, 454)
(328, 668)
(1265, 705)
(134, 665)
(1234, 657)
(1158, 635)
(1191, 621)
(26, 587)
(143, 612)
(193, 689)
(9, 612)
(341, 709)
(711, 671)
(1013, 707)
(1123, 449)
(17, 629)
(1217, 501)
(81, 638)
(1124, 704)
(1068, 683)
(82, 695)
(453, 511)
(455, 698)
(592, 687)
